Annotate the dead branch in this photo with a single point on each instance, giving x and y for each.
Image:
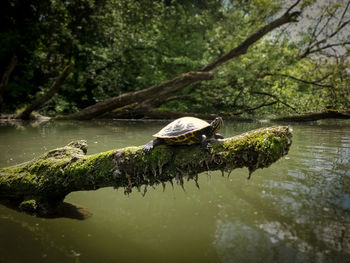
(48, 95)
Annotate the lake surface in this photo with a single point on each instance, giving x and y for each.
(297, 210)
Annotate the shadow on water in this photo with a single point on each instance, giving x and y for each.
(72, 211)
(64, 210)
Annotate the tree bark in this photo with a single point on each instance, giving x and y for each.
(40, 186)
(6, 76)
(165, 89)
(48, 95)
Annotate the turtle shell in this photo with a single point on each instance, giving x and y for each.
(182, 126)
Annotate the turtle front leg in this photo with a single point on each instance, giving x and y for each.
(205, 142)
(150, 145)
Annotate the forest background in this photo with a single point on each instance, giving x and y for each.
(66, 56)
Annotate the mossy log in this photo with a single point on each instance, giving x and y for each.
(40, 186)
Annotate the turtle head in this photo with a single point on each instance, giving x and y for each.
(217, 124)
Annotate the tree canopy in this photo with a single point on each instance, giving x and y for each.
(116, 47)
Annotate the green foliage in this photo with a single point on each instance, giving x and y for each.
(272, 78)
(122, 46)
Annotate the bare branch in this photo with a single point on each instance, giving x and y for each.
(328, 46)
(314, 32)
(330, 17)
(276, 98)
(302, 80)
(234, 103)
(318, 43)
(339, 28)
(256, 107)
(343, 15)
(292, 6)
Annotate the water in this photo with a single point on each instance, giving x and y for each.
(297, 210)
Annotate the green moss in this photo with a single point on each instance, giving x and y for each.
(90, 172)
(256, 149)
(188, 158)
(160, 156)
(30, 206)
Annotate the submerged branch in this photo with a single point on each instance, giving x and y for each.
(40, 186)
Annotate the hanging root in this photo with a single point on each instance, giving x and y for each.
(171, 182)
(222, 172)
(144, 191)
(196, 181)
(179, 179)
(250, 174)
(160, 166)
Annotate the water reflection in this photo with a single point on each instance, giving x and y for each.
(238, 242)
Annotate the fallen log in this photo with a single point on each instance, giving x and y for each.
(128, 98)
(156, 114)
(314, 116)
(40, 186)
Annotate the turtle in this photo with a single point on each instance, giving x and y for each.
(187, 131)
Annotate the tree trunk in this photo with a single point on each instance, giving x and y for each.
(166, 89)
(48, 95)
(6, 76)
(40, 186)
